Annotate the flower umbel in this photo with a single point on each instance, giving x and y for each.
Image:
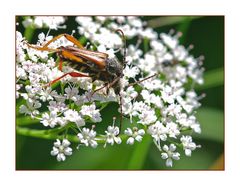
(154, 87)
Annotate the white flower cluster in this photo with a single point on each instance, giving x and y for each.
(162, 106)
(52, 22)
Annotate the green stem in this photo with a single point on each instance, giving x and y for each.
(44, 134)
(52, 134)
(26, 120)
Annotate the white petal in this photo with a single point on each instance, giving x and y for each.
(165, 148)
(65, 143)
(93, 144)
(110, 140)
(163, 137)
(188, 152)
(128, 131)
(92, 133)
(61, 157)
(169, 162)
(80, 136)
(141, 132)
(176, 156)
(57, 143)
(164, 155)
(116, 131)
(172, 147)
(117, 140)
(110, 129)
(55, 151)
(130, 141)
(68, 151)
(138, 138)
(192, 146)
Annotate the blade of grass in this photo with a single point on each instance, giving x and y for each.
(212, 79)
(212, 124)
(140, 153)
(183, 27)
(169, 20)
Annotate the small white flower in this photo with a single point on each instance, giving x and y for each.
(147, 117)
(133, 54)
(50, 119)
(159, 132)
(148, 63)
(152, 84)
(188, 145)
(131, 72)
(170, 41)
(53, 22)
(172, 110)
(148, 33)
(134, 134)
(190, 121)
(87, 137)
(30, 108)
(92, 112)
(129, 94)
(47, 94)
(73, 116)
(21, 73)
(169, 154)
(112, 135)
(194, 124)
(57, 106)
(172, 129)
(151, 98)
(168, 95)
(61, 150)
(71, 93)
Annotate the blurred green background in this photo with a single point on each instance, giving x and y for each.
(207, 35)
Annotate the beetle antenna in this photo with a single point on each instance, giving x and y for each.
(125, 49)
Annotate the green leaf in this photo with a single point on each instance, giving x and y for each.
(145, 44)
(139, 154)
(212, 79)
(212, 124)
(183, 27)
(28, 33)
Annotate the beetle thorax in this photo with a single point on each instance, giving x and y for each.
(114, 67)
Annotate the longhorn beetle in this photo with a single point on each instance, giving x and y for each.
(97, 65)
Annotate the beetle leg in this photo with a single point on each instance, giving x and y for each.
(72, 74)
(67, 36)
(60, 65)
(137, 82)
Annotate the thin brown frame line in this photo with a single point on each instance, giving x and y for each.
(154, 15)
